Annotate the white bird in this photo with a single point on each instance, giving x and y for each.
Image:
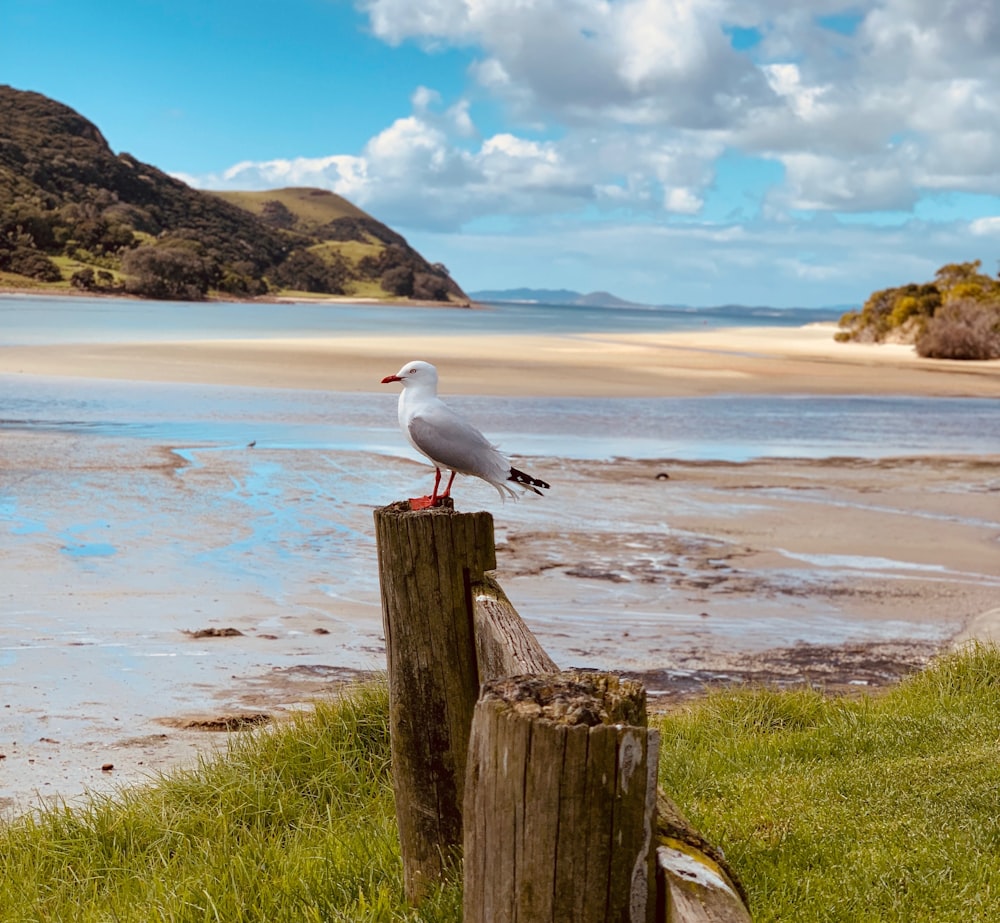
(435, 430)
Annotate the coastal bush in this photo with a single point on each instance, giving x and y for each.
(398, 280)
(891, 313)
(276, 214)
(84, 279)
(304, 271)
(963, 329)
(169, 273)
(32, 263)
(926, 314)
(89, 280)
(428, 287)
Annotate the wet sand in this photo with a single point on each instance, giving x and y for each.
(845, 572)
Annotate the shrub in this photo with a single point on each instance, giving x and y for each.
(962, 329)
(275, 214)
(398, 280)
(169, 273)
(83, 279)
(88, 280)
(428, 287)
(304, 271)
(34, 264)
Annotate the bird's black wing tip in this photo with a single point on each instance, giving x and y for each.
(526, 480)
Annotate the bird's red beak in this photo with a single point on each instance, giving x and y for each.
(389, 378)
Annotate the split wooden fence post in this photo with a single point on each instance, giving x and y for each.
(550, 779)
(428, 562)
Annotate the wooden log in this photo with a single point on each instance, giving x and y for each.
(428, 562)
(696, 889)
(695, 883)
(505, 646)
(560, 802)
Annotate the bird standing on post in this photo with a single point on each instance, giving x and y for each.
(449, 441)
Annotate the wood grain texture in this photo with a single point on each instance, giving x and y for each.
(505, 646)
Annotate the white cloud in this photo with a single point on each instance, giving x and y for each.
(818, 183)
(862, 118)
(983, 227)
(682, 201)
(341, 173)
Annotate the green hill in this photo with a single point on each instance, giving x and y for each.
(74, 213)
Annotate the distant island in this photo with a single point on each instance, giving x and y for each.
(563, 296)
(552, 296)
(76, 216)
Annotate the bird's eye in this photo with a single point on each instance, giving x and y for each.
(413, 371)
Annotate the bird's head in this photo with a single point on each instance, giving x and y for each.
(416, 372)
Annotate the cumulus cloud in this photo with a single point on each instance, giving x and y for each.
(586, 61)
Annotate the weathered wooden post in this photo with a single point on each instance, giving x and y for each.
(505, 646)
(560, 802)
(428, 563)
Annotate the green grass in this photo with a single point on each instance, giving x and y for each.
(294, 824)
(313, 207)
(881, 808)
(351, 250)
(359, 288)
(16, 280)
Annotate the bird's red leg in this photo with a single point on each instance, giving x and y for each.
(447, 490)
(423, 503)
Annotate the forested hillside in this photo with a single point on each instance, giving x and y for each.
(74, 213)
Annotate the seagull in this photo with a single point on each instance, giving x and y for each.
(435, 430)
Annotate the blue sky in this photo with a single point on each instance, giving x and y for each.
(670, 151)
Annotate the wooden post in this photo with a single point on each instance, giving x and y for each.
(560, 802)
(428, 562)
(505, 646)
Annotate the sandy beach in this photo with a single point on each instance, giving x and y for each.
(167, 592)
(804, 360)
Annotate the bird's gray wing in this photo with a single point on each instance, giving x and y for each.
(450, 442)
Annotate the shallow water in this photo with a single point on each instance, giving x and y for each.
(730, 427)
